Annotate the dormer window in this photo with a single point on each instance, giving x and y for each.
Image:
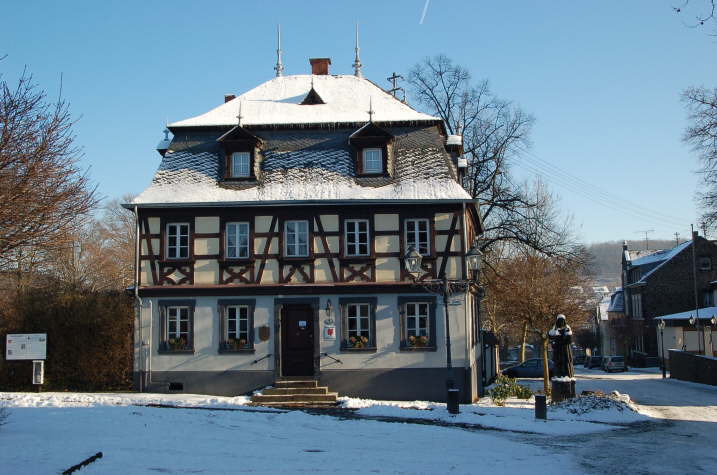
(372, 160)
(240, 149)
(371, 145)
(240, 165)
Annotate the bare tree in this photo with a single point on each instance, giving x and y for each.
(100, 255)
(495, 132)
(704, 12)
(533, 289)
(42, 190)
(701, 135)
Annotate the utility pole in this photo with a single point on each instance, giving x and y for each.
(395, 87)
(694, 281)
(677, 239)
(646, 231)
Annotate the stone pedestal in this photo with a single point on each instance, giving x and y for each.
(562, 389)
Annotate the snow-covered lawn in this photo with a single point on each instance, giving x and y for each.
(516, 415)
(48, 433)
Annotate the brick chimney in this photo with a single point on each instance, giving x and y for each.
(320, 66)
(228, 97)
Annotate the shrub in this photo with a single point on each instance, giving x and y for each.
(506, 387)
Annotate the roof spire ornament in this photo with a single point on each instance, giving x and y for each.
(370, 109)
(357, 61)
(279, 68)
(239, 115)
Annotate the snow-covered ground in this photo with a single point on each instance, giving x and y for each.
(56, 434)
(677, 425)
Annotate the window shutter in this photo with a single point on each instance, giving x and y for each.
(221, 310)
(250, 325)
(191, 327)
(162, 327)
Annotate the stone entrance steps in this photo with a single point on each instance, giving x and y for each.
(295, 392)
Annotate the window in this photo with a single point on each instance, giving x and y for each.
(707, 298)
(240, 164)
(417, 235)
(237, 240)
(636, 307)
(177, 326)
(417, 323)
(357, 237)
(296, 239)
(358, 323)
(705, 263)
(177, 241)
(236, 325)
(372, 160)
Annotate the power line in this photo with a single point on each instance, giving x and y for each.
(593, 192)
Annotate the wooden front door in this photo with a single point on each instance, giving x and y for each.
(297, 340)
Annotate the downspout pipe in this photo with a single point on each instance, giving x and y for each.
(138, 300)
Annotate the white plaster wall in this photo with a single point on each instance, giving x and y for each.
(387, 355)
(206, 339)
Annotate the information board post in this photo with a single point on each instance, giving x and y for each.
(28, 346)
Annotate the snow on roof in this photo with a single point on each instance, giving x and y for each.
(454, 140)
(645, 256)
(664, 256)
(617, 302)
(278, 101)
(310, 165)
(310, 190)
(705, 314)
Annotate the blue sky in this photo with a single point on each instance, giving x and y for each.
(602, 78)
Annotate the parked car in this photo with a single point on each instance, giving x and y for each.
(613, 363)
(593, 362)
(532, 368)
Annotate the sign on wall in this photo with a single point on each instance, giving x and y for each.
(26, 346)
(329, 332)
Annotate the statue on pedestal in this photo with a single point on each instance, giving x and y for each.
(563, 380)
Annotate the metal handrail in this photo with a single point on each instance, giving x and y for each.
(329, 356)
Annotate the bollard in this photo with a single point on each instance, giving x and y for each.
(541, 408)
(453, 400)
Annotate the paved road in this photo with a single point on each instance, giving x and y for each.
(682, 439)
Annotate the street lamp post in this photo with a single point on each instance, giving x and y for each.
(696, 323)
(661, 326)
(445, 287)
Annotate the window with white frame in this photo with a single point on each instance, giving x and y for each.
(237, 240)
(296, 239)
(417, 324)
(240, 164)
(177, 327)
(237, 325)
(356, 237)
(372, 160)
(358, 325)
(417, 235)
(177, 240)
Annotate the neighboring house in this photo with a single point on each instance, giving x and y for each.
(681, 334)
(273, 239)
(661, 282)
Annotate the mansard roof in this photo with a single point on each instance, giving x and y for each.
(306, 165)
(346, 99)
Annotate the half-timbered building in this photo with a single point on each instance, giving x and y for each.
(271, 243)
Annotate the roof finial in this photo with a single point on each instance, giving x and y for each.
(357, 61)
(239, 115)
(279, 68)
(370, 109)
